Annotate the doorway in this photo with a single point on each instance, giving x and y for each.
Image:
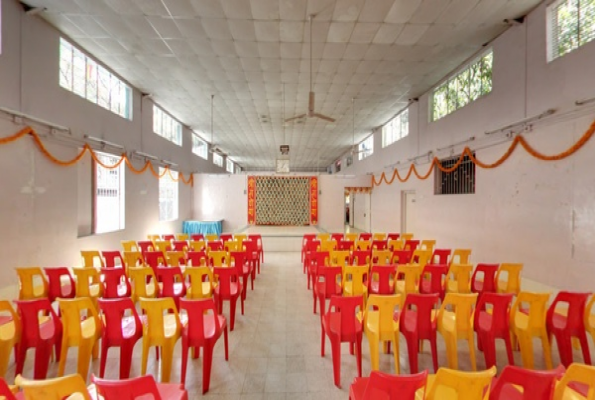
(360, 211)
(408, 211)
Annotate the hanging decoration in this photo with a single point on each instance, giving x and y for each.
(357, 189)
(469, 153)
(314, 200)
(86, 148)
(251, 200)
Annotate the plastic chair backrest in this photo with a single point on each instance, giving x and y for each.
(384, 274)
(440, 256)
(55, 287)
(88, 282)
(89, 257)
(407, 236)
(386, 306)
(132, 388)
(232, 245)
(365, 236)
(168, 237)
(382, 257)
(467, 385)
(240, 237)
(237, 258)
(155, 258)
(402, 387)
(437, 274)
(312, 246)
(322, 258)
(357, 275)
(337, 237)
(72, 310)
(576, 309)
(211, 237)
(379, 236)
(393, 236)
(411, 275)
(197, 276)
(333, 277)
(308, 237)
(535, 385)
(487, 274)
(461, 274)
(361, 257)
(589, 319)
(196, 310)
(113, 279)
(154, 237)
(218, 258)
(29, 312)
(402, 256)
(145, 245)
(53, 389)
(197, 245)
(394, 244)
(323, 237)
(181, 237)
(463, 306)
(196, 258)
(32, 283)
(379, 244)
(113, 311)
(155, 310)
(347, 245)
(175, 258)
(427, 244)
(162, 245)
(133, 259)
(422, 257)
(349, 308)
(197, 236)
(536, 311)
(180, 245)
(10, 333)
(340, 257)
(169, 276)
(576, 374)
(140, 277)
(129, 245)
(411, 244)
(513, 278)
(460, 256)
(499, 310)
(328, 245)
(215, 245)
(352, 237)
(110, 258)
(362, 244)
(423, 305)
(225, 276)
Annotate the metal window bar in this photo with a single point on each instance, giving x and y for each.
(459, 181)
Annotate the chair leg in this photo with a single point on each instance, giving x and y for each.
(232, 312)
(374, 349)
(144, 357)
(42, 361)
(489, 350)
(166, 361)
(207, 362)
(434, 350)
(508, 344)
(125, 360)
(472, 351)
(103, 359)
(412, 350)
(526, 346)
(358, 354)
(184, 363)
(451, 352)
(62, 363)
(585, 347)
(336, 355)
(225, 342)
(547, 352)
(85, 351)
(396, 353)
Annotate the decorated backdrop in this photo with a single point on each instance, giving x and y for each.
(274, 200)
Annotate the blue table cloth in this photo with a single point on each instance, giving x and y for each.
(204, 227)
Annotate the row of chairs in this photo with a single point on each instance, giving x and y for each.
(514, 383)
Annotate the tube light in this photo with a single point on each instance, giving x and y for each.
(103, 142)
(145, 155)
(524, 121)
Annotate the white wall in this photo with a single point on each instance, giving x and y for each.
(40, 205)
(531, 211)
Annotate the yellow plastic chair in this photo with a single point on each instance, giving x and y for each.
(457, 324)
(182, 236)
(152, 238)
(10, 334)
(449, 384)
(89, 257)
(133, 259)
(379, 236)
(406, 236)
(211, 237)
(197, 245)
(323, 237)
(395, 244)
(340, 257)
(240, 237)
(201, 282)
(512, 273)
(352, 237)
(233, 245)
(88, 282)
(353, 281)
(218, 257)
(528, 321)
(363, 244)
(382, 257)
(458, 279)
(328, 245)
(143, 282)
(53, 389)
(162, 245)
(411, 274)
(422, 257)
(162, 329)
(33, 283)
(590, 317)
(576, 373)
(129, 245)
(175, 258)
(460, 256)
(428, 244)
(82, 333)
(381, 326)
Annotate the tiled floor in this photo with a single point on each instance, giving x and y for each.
(275, 347)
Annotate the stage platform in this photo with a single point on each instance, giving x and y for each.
(281, 238)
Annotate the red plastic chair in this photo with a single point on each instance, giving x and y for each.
(340, 324)
(345, 245)
(365, 236)
(139, 387)
(197, 236)
(56, 288)
(327, 285)
(318, 259)
(180, 245)
(485, 282)
(169, 238)
(565, 327)
(145, 245)
(393, 236)
(337, 237)
(493, 324)
(440, 256)
(418, 323)
(196, 258)
(382, 279)
(535, 385)
(434, 279)
(238, 260)
(110, 258)
(310, 253)
(203, 329)
(115, 283)
(5, 391)
(379, 244)
(215, 245)
(171, 283)
(411, 244)
(258, 239)
(226, 237)
(252, 255)
(402, 256)
(154, 259)
(361, 257)
(307, 238)
(230, 289)
(42, 336)
(120, 331)
(386, 386)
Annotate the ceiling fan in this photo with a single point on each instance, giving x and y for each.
(311, 98)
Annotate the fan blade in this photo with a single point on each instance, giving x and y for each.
(296, 117)
(321, 116)
(311, 104)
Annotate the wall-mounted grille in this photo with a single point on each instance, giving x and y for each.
(459, 181)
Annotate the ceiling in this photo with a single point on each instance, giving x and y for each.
(253, 55)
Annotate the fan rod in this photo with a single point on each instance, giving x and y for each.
(212, 136)
(311, 52)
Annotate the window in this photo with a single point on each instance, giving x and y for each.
(229, 166)
(396, 129)
(218, 159)
(199, 146)
(349, 160)
(571, 24)
(469, 84)
(109, 195)
(166, 127)
(168, 196)
(459, 181)
(84, 77)
(366, 148)
(338, 166)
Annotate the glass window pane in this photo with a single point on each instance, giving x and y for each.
(91, 81)
(79, 73)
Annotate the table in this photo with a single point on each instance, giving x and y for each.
(205, 227)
